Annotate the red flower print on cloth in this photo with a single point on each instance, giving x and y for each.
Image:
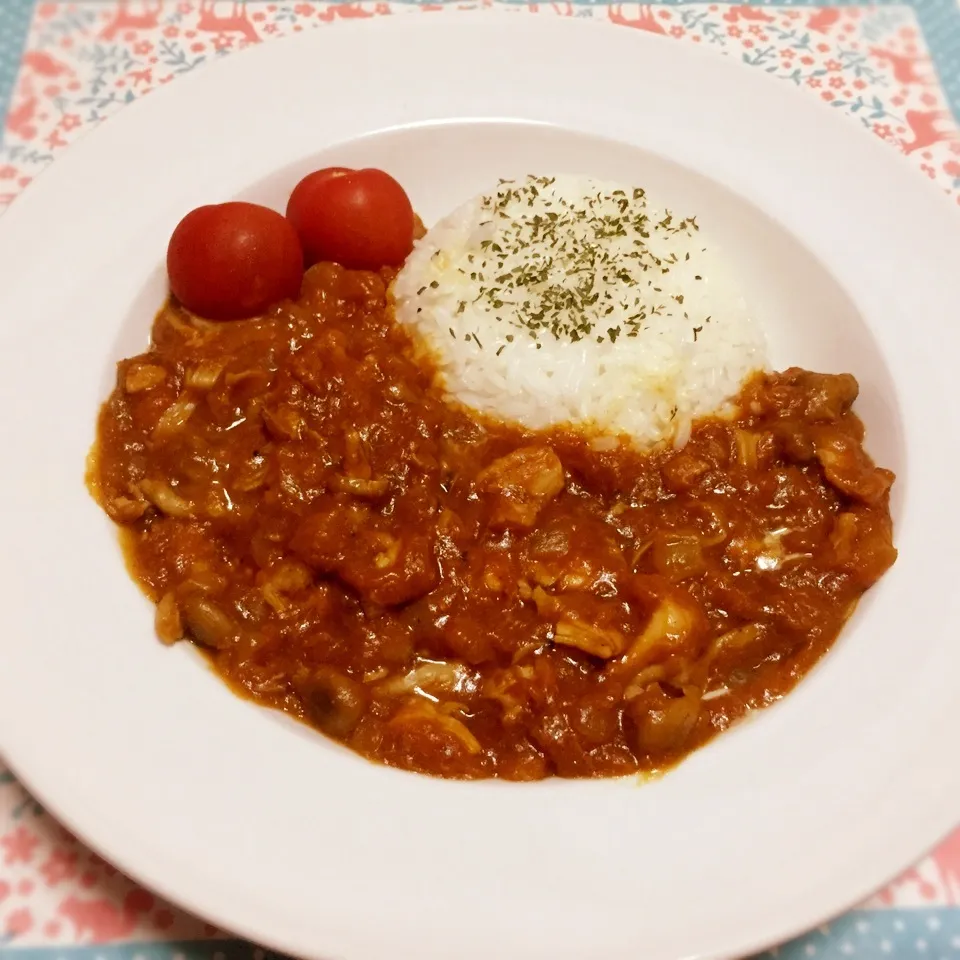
(100, 919)
(18, 845)
(19, 922)
(97, 919)
(60, 865)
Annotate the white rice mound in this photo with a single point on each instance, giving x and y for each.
(566, 300)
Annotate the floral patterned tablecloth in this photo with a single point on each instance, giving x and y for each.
(892, 67)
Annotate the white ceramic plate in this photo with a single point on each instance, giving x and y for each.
(265, 828)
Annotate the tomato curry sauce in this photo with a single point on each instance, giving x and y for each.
(464, 598)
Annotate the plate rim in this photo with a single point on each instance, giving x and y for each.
(16, 757)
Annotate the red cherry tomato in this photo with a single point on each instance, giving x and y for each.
(361, 219)
(228, 261)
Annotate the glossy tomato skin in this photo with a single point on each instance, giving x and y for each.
(361, 219)
(229, 261)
